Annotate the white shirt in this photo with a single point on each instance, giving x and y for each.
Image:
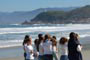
(47, 46)
(54, 49)
(29, 55)
(36, 52)
(64, 49)
(41, 52)
(79, 48)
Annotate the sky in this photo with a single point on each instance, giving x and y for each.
(29, 5)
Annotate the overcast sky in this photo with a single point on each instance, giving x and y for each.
(28, 5)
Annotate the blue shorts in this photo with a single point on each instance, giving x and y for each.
(64, 57)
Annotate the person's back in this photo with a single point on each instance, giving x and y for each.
(36, 53)
(63, 48)
(41, 52)
(54, 47)
(74, 48)
(25, 44)
(47, 45)
(29, 50)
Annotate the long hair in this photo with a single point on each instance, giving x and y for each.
(63, 40)
(72, 36)
(25, 39)
(29, 41)
(47, 36)
(40, 36)
(54, 42)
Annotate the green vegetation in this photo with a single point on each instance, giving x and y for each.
(79, 15)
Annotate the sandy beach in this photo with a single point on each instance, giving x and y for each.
(85, 53)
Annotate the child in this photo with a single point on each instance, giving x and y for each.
(79, 47)
(47, 47)
(24, 45)
(29, 50)
(36, 53)
(54, 48)
(74, 47)
(64, 48)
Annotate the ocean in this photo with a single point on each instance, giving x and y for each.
(12, 35)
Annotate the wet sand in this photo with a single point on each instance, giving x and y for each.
(85, 53)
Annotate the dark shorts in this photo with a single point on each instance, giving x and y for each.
(29, 59)
(40, 57)
(48, 57)
(64, 57)
(25, 56)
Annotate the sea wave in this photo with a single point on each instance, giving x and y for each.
(44, 29)
(10, 43)
(14, 45)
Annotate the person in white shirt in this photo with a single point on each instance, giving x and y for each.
(41, 49)
(29, 50)
(79, 46)
(24, 45)
(54, 48)
(47, 46)
(36, 53)
(63, 48)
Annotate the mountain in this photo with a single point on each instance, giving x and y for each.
(78, 15)
(20, 16)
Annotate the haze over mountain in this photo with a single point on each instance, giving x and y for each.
(20, 16)
(78, 15)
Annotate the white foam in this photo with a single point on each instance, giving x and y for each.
(45, 29)
(84, 35)
(13, 45)
(10, 43)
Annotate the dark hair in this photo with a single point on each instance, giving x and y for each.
(25, 39)
(29, 40)
(40, 35)
(35, 41)
(40, 40)
(36, 44)
(54, 37)
(54, 42)
(77, 36)
(72, 36)
(47, 36)
(63, 40)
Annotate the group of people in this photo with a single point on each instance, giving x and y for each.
(46, 48)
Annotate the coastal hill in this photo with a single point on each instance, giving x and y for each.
(78, 15)
(20, 16)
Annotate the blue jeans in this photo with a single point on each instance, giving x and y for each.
(40, 57)
(64, 57)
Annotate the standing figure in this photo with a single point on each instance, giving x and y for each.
(47, 45)
(41, 49)
(29, 50)
(64, 48)
(25, 44)
(54, 48)
(74, 47)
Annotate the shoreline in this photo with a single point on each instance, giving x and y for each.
(85, 53)
(18, 51)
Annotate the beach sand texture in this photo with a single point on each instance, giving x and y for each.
(85, 53)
